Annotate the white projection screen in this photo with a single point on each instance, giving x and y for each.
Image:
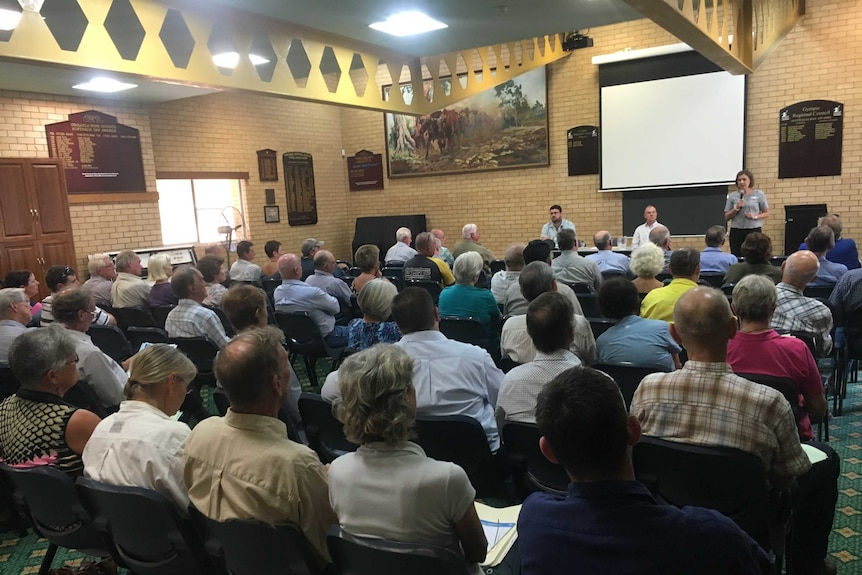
(672, 132)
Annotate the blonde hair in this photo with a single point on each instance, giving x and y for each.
(152, 366)
(374, 384)
(156, 267)
(375, 299)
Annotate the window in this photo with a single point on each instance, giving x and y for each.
(191, 210)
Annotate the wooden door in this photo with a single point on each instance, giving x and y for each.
(49, 198)
(17, 218)
(20, 256)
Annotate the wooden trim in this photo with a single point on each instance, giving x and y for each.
(202, 175)
(116, 198)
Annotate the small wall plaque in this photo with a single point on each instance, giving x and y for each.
(271, 215)
(267, 165)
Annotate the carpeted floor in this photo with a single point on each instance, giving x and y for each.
(22, 556)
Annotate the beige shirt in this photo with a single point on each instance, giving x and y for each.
(517, 344)
(516, 304)
(130, 290)
(243, 466)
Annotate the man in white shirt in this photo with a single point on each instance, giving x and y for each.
(129, 289)
(401, 251)
(501, 280)
(641, 235)
(556, 223)
(244, 269)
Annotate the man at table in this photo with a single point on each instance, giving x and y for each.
(556, 223)
(641, 235)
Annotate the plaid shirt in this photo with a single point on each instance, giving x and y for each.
(706, 404)
(191, 319)
(795, 312)
(847, 295)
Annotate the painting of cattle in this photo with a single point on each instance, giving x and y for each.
(503, 127)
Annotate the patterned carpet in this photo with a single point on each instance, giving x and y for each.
(22, 556)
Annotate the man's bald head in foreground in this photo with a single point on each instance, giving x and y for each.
(800, 268)
(290, 267)
(703, 323)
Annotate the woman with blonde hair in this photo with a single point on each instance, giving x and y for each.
(647, 262)
(389, 488)
(375, 325)
(141, 445)
(367, 259)
(160, 270)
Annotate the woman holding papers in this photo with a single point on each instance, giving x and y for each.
(388, 488)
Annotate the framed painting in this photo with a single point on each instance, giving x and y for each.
(501, 128)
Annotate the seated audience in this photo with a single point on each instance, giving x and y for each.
(424, 266)
(244, 269)
(190, 318)
(549, 325)
(704, 403)
(846, 297)
(660, 236)
(609, 522)
(469, 242)
(25, 280)
(389, 488)
(129, 289)
(647, 262)
(159, 271)
(796, 312)
(74, 309)
(102, 275)
(606, 258)
(367, 259)
(272, 249)
(757, 349)
(324, 266)
(445, 254)
(502, 280)
(844, 252)
(685, 269)
(401, 251)
(59, 278)
(712, 259)
(820, 240)
(570, 267)
(464, 299)
(242, 465)
(634, 339)
(374, 326)
(309, 249)
(214, 274)
(141, 445)
(756, 249)
(14, 317)
(36, 426)
(516, 303)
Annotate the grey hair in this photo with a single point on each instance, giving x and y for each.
(183, 280)
(754, 297)
(647, 261)
(37, 351)
(156, 265)
(467, 268)
(468, 230)
(659, 235)
(834, 222)
(375, 299)
(402, 233)
(124, 259)
(602, 241)
(9, 296)
(536, 279)
(96, 262)
(68, 303)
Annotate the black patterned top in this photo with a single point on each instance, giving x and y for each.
(33, 432)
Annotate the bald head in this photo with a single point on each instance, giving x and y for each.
(660, 236)
(515, 257)
(602, 239)
(800, 268)
(290, 267)
(702, 320)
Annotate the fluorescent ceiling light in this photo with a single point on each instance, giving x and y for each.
(9, 19)
(408, 24)
(257, 60)
(226, 59)
(106, 85)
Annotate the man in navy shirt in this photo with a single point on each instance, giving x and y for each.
(844, 251)
(608, 522)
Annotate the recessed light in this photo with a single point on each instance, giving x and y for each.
(106, 85)
(408, 24)
(226, 60)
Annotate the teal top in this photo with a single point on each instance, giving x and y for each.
(469, 301)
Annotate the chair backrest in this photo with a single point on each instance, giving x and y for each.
(395, 274)
(354, 555)
(269, 286)
(712, 279)
(465, 329)
(325, 433)
(250, 547)
(222, 316)
(82, 395)
(134, 316)
(628, 376)
(600, 325)
(507, 364)
(727, 289)
(160, 314)
(50, 502)
(461, 440)
(433, 288)
(608, 274)
(201, 350)
(497, 266)
(140, 335)
(111, 341)
(783, 385)
(818, 291)
(589, 304)
(579, 288)
(532, 470)
(146, 529)
(9, 384)
(302, 334)
(728, 480)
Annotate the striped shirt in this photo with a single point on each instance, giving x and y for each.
(795, 312)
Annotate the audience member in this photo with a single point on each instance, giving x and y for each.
(641, 233)
(15, 314)
(309, 249)
(294, 295)
(820, 240)
(660, 236)
(502, 280)
(74, 309)
(756, 250)
(36, 426)
(324, 266)
(401, 251)
(190, 318)
(469, 242)
(608, 522)
(757, 349)
(367, 259)
(242, 465)
(549, 325)
(712, 259)
(142, 445)
(272, 249)
(215, 249)
(374, 326)
(244, 269)
(159, 270)
(633, 339)
(445, 254)
(571, 268)
(846, 296)
(214, 274)
(464, 299)
(555, 224)
(59, 278)
(685, 269)
(102, 275)
(609, 261)
(844, 252)
(794, 311)
(129, 289)
(647, 262)
(389, 488)
(515, 302)
(25, 280)
(696, 403)
(424, 266)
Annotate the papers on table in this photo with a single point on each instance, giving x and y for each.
(500, 530)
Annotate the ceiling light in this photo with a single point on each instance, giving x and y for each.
(10, 14)
(106, 85)
(257, 60)
(226, 60)
(408, 24)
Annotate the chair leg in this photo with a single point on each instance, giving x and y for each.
(312, 374)
(45, 568)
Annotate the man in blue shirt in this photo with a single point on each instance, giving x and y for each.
(820, 240)
(606, 258)
(608, 522)
(712, 259)
(555, 224)
(844, 251)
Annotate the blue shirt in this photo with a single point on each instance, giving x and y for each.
(713, 261)
(829, 273)
(639, 340)
(469, 301)
(617, 527)
(362, 334)
(844, 252)
(611, 261)
(298, 296)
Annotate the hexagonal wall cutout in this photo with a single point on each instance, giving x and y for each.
(177, 39)
(330, 69)
(223, 49)
(298, 63)
(262, 56)
(125, 29)
(358, 75)
(66, 22)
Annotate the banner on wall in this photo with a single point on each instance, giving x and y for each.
(811, 135)
(299, 188)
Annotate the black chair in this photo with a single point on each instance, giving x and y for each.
(582, 288)
(607, 274)
(628, 376)
(137, 336)
(48, 499)
(465, 329)
(530, 469)
(83, 396)
(269, 286)
(221, 400)
(9, 384)
(783, 385)
(160, 314)
(354, 555)
(145, 528)
(498, 266)
(601, 325)
(664, 277)
(820, 292)
(461, 440)
(325, 433)
(727, 480)
(432, 287)
(395, 274)
(202, 351)
(507, 364)
(727, 289)
(134, 316)
(250, 547)
(304, 339)
(222, 316)
(589, 303)
(715, 280)
(847, 359)
(111, 341)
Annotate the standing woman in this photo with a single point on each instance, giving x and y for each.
(744, 209)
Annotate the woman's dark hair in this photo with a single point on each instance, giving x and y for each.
(17, 279)
(210, 266)
(618, 298)
(750, 177)
(757, 248)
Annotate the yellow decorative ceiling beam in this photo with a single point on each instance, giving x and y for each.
(735, 34)
(174, 43)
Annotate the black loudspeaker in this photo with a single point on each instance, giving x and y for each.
(798, 221)
(270, 196)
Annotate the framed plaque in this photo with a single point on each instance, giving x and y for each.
(267, 165)
(582, 143)
(299, 188)
(271, 215)
(810, 138)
